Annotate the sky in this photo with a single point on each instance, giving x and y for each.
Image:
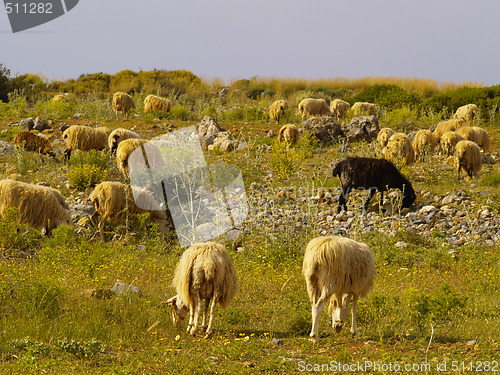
(445, 40)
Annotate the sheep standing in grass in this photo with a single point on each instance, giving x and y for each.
(39, 207)
(383, 137)
(373, 174)
(122, 102)
(313, 107)
(448, 142)
(482, 138)
(123, 151)
(446, 126)
(85, 138)
(467, 133)
(118, 135)
(467, 157)
(205, 272)
(289, 134)
(339, 108)
(340, 270)
(114, 202)
(467, 112)
(32, 142)
(423, 142)
(156, 103)
(277, 109)
(399, 148)
(360, 108)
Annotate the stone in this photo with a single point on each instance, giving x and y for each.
(121, 288)
(27, 124)
(325, 129)
(40, 124)
(361, 128)
(6, 148)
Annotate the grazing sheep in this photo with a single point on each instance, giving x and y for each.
(156, 103)
(277, 109)
(446, 126)
(340, 270)
(123, 151)
(399, 147)
(467, 133)
(483, 138)
(448, 142)
(360, 108)
(372, 174)
(205, 272)
(122, 102)
(312, 107)
(383, 137)
(31, 142)
(39, 207)
(467, 157)
(119, 135)
(60, 97)
(339, 108)
(114, 202)
(424, 139)
(289, 134)
(85, 138)
(467, 112)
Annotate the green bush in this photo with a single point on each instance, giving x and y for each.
(87, 169)
(180, 113)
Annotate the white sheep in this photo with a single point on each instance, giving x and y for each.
(288, 133)
(313, 107)
(277, 109)
(114, 202)
(122, 102)
(156, 103)
(337, 269)
(39, 207)
(424, 140)
(483, 138)
(467, 133)
(339, 108)
(360, 108)
(399, 147)
(446, 126)
(205, 272)
(448, 142)
(467, 112)
(85, 138)
(118, 135)
(383, 137)
(467, 157)
(123, 151)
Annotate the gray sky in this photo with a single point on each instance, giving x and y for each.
(445, 40)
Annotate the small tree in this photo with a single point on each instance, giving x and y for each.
(5, 83)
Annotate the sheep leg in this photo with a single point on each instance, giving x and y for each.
(372, 193)
(197, 309)
(101, 229)
(67, 154)
(205, 313)
(316, 312)
(212, 313)
(342, 198)
(354, 310)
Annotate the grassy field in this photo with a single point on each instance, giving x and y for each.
(434, 308)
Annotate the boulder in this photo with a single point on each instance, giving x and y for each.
(27, 124)
(361, 128)
(40, 124)
(6, 148)
(325, 129)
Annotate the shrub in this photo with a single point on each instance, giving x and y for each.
(181, 113)
(87, 169)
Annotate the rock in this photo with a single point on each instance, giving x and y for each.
(276, 341)
(27, 124)
(78, 116)
(400, 244)
(121, 288)
(225, 142)
(325, 129)
(6, 148)
(40, 124)
(427, 209)
(361, 128)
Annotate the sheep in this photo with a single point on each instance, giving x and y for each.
(467, 112)
(31, 142)
(399, 147)
(483, 138)
(424, 139)
(114, 202)
(337, 269)
(372, 174)
(289, 134)
(39, 207)
(118, 135)
(277, 109)
(467, 133)
(205, 271)
(60, 97)
(339, 108)
(360, 108)
(123, 151)
(448, 142)
(85, 138)
(311, 106)
(156, 103)
(383, 137)
(446, 126)
(122, 102)
(467, 157)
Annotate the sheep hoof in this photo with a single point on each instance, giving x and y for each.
(314, 339)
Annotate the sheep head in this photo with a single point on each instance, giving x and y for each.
(179, 309)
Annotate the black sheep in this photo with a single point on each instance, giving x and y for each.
(372, 174)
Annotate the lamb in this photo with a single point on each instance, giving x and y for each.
(156, 103)
(114, 202)
(467, 112)
(399, 147)
(424, 141)
(39, 207)
(32, 142)
(383, 137)
(118, 135)
(467, 133)
(122, 102)
(85, 138)
(372, 174)
(337, 269)
(446, 126)
(289, 134)
(311, 106)
(448, 142)
(276, 110)
(467, 157)
(360, 108)
(483, 138)
(339, 108)
(205, 271)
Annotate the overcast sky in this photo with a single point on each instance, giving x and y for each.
(445, 40)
